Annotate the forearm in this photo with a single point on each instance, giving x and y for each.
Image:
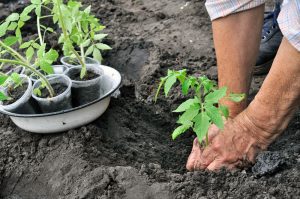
(236, 39)
(279, 96)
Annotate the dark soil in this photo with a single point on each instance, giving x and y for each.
(57, 87)
(15, 93)
(128, 151)
(89, 76)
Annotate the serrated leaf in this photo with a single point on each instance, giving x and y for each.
(202, 123)
(224, 110)
(11, 40)
(214, 115)
(216, 95)
(189, 114)
(186, 105)
(180, 130)
(237, 97)
(103, 47)
(13, 17)
(171, 80)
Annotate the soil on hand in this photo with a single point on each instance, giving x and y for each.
(15, 93)
(89, 76)
(128, 153)
(58, 88)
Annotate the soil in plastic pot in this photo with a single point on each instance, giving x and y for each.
(54, 106)
(28, 108)
(85, 94)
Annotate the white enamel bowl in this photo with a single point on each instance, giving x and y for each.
(72, 118)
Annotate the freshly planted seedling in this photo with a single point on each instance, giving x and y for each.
(81, 32)
(11, 82)
(201, 111)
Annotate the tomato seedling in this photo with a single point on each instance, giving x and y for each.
(201, 111)
(81, 32)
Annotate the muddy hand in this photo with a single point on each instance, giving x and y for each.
(234, 147)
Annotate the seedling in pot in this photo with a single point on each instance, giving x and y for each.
(37, 60)
(201, 111)
(81, 33)
(43, 58)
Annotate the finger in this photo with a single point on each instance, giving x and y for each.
(213, 131)
(217, 165)
(208, 155)
(194, 156)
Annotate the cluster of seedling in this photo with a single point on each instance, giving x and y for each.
(201, 111)
(80, 36)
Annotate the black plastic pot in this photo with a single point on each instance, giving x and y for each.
(60, 102)
(87, 91)
(25, 104)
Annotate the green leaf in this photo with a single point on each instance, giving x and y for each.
(86, 43)
(224, 110)
(161, 83)
(103, 47)
(24, 15)
(3, 78)
(36, 45)
(179, 130)
(25, 45)
(3, 96)
(97, 55)
(11, 40)
(3, 28)
(16, 79)
(38, 10)
(12, 26)
(189, 114)
(37, 92)
(46, 67)
(216, 95)
(51, 56)
(214, 115)
(186, 105)
(100, 36)
(237, 97)
(29, 53)
(185, 86)
(89, 51)
(202, 123)
(13, 17)
(36, 1)
(171, 80)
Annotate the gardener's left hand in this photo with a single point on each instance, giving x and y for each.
(234, 147)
